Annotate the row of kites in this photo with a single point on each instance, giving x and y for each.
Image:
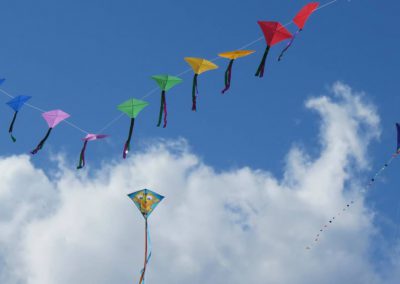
(274, 33)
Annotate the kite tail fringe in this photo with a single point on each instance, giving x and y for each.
(228, 76)
(10, 130)
(161, 109)
(82, 161)
(194, 93)
(127, 146)
(41, 143)
(288, 45)
(147, 253)
(261, 67)
(165, 109)
(371, 182)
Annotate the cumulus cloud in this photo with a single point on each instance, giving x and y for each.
(236, 226)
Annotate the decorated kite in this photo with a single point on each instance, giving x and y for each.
(274, 33)
(131, 108)
(300, 20)
(232, 55)
(53, 118)
(89, 137)
(199, 65)
(16, 104)
(165, 82)
(146, 201)
(371, 182)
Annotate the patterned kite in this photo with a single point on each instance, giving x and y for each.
(232, 55)
(199, 65)
(274, 33)
(131, 108)
(52, 118)
(300, 20)
(16, 104)
(89, 137)
(146, 201)
(165, 82)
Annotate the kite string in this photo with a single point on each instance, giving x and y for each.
(371, 182)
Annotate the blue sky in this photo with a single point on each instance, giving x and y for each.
(86, 57)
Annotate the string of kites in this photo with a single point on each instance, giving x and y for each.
(147, 200)
(274, 33)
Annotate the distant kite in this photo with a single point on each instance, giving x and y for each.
(16, 104)
(300, 20)
(199, 65)
(52, 118)
(131, 108)
(89, 137)
(274, 33)
(165, 82)
(232, 55)
(146, 201)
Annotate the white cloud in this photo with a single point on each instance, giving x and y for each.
(238, 226)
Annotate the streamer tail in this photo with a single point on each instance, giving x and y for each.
(288, 45)
(42, 142)
(82, 160)
(127, 146)
(228, 76)
(11, 128)
(194, 93)
(261, 67)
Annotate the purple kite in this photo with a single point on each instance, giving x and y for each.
(52, 118)
(89, 137)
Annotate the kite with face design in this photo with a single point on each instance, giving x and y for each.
(146, 201)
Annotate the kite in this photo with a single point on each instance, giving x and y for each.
(368, 186)
(300, 20)
(199, 65)
(53, 118)
(2, 81)
(89, 137)
(132, 108)
(274, 33)
(146, 201)
(232, 55)
(16, 104)
(165, 82)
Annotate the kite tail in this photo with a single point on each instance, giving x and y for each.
(228, 76)
(288, 45)
(261, 67)
(161, 108)
(147, 253)
(10, 130)
(351, 203)
(82, 161)
(194, 93)
(41, 143)
(398, 137)
(165, 109)
(127, 146)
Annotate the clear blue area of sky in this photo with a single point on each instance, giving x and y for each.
(86, 57)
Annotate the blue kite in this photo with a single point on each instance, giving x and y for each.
(16, 104)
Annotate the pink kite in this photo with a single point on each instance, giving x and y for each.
(53, 118)
(89, 137)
